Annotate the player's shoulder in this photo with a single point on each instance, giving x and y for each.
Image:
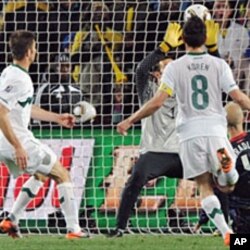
(237, 26)
(16, 72)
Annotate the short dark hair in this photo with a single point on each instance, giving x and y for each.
(194, 32)
(20, 41)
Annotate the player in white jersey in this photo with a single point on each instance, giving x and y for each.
(21, 152)
(198, 80)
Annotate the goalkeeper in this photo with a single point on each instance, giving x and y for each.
(159, 145)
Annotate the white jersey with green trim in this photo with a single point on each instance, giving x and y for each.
(198, 80)
(16, 94)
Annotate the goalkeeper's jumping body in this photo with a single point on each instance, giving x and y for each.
(159, 145)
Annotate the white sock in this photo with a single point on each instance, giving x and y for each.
(229, 178)
(69, 206)
(212, 207)
(27, 193)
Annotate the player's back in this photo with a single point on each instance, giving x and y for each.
(198, 80)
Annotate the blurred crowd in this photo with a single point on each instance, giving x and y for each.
(95, 46)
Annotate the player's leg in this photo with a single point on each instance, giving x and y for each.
(30, 187)
(227, 174)
(212, 206)
(67, 201)
(198, 162)
(241, 219)
(149, 166)
(203, 218)
(41, 159)
(26, 194)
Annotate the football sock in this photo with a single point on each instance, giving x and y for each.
(27, 193)
(69, 206)
(229, 178)
(212, 207)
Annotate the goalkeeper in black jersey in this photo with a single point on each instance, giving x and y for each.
(159, 145)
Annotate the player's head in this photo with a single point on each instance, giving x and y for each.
(157, 70)
(63, 66)
(235, 116)
(22, 45)
(194, 32)
(223, 10)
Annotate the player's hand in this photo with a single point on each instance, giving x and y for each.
(172, 38)
(66, 120)
(21, 158)
(212, 35)
(123, 126)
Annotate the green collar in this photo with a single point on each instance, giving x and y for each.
(196, 53)
(18, 66)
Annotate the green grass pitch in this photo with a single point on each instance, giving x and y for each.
(128, 242)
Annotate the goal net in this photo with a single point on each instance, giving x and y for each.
(95, 47)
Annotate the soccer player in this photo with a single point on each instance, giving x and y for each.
(198, 80)
(19, 150)
(159, 146)
(239, 199)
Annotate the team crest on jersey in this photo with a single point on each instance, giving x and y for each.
(8, 89)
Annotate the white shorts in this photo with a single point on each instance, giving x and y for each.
(199, 155)
(41, 158)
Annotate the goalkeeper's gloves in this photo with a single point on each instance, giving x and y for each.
(172, 38)
(212, 35)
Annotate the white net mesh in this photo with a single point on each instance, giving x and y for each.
(95, 46)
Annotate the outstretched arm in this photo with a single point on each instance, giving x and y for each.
(241, 98)
(172, 39)
(146, 110)
(65, 119)
(212, 37)
(143, 71)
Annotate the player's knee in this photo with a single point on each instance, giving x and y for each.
(138, 178)
(59, 174)
(63, 176)
(40, 177)
(226, 189)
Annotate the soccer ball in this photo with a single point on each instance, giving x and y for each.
(197, 10)
(84, 111)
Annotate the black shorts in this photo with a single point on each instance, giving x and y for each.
(241, 220)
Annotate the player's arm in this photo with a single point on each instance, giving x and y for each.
(172, 39)
(146, 110)
(230, 87)
(143, 73)
(65, 119)
(241, 98)
(6, 128)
